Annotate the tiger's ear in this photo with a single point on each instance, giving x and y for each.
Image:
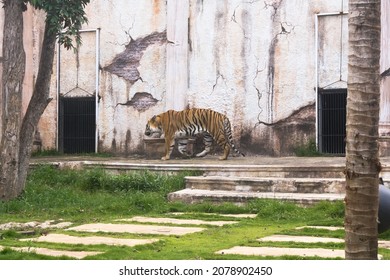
(154, 118)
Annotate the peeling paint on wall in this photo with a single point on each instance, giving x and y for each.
(125, 64)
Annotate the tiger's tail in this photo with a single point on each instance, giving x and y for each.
(228, 134)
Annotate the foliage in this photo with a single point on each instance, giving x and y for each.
(64, 17)
(53, 193)
(144, 181)
(307, 150)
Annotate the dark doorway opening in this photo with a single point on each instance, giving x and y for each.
(77, 123)
(332, 120)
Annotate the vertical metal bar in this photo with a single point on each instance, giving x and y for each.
(316, 78)
(58, 88)
(97, 80)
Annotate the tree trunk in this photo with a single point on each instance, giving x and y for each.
(16, 152)
(362, 159)
(14, 62)
(38, 103)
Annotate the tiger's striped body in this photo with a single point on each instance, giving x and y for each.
(190, 122)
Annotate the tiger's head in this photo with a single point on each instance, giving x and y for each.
(154, 126)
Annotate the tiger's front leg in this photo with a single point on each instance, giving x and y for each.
(169, 144)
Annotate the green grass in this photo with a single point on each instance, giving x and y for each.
(308, 149)
(97, 196)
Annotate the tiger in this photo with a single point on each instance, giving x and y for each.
(191, 122)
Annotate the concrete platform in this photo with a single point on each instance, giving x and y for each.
(260, 166)
(267, 184)
(140, 219)
(136, 229)
(89, 240)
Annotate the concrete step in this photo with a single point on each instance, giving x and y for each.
(266, 184)
(240, 197)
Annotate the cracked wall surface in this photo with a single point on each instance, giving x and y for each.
(132, 71)
(260, 57)
(250, 59)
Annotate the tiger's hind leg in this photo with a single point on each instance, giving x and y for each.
(207, 142)
(226, 152)
(221, 140)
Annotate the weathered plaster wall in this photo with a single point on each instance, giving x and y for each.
(132, 72)
(132, 89)
(253, 60)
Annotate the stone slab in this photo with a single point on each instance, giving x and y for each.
(137, 229)
(385, 244)
(240, 216)
(176, 221)
(279, 252)
(90, 240)
(303, 239)
(54, 253)
(34, 224)
(322, 227)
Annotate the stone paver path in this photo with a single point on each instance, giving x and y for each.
(137, 229)
(177, 221)
(89, 240)
(134, 226)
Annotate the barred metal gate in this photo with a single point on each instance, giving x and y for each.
(332, 120)
(77, 124)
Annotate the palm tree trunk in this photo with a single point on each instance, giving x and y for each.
(362, 159)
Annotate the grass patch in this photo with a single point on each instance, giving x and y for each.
(308, 150)
(87, 196)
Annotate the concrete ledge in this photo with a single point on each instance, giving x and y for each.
(154, 147)
(267, 184)
(196, 196)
